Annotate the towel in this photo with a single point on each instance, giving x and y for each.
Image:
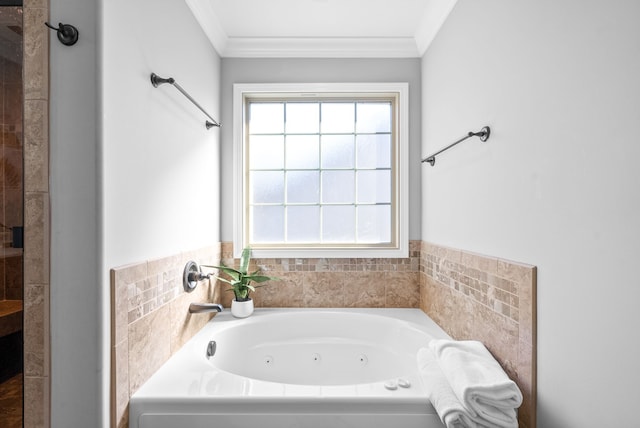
(478, 381)
(451, 411)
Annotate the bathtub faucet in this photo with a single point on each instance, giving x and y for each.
(200, 308)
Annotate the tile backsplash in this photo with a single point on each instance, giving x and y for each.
(338, 283)
(489, 299)
(150, 320)
(468, 295)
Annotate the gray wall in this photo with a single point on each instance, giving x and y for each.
(75, 307)
(556, 185)
(235, 70)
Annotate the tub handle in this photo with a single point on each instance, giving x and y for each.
(211, 349)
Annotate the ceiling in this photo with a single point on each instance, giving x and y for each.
(321, 28)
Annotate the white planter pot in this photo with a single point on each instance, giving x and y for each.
(241, 309)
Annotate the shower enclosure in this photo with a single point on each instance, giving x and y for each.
(11, 213)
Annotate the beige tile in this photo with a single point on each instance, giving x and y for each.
(528, 307)
(36, 251)
(119, 310)
(402, 289)
(131, 273)
(481, 263)
(165, 264)
(123, 422)
(285, 292)
(323, 290)
(516, 272)
(183, 324)
(36, 54)
(464, 313)
(35, 3)
(36, 406)
(364, 290)
(35, 330)
(526, 375)
(149, 346)
(36, 140)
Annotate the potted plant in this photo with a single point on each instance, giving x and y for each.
(240, 281)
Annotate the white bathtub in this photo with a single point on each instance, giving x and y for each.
(295, 368)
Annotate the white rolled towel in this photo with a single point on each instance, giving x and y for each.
(451, 411)
(478, 381)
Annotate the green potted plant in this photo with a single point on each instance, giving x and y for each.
(240, 281)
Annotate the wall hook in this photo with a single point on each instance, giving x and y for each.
(67, 33)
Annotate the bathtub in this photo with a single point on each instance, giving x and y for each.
(295, 368)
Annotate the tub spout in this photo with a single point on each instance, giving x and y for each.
(199, 308)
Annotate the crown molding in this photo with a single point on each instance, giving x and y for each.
(322, 47)
(435, 15)
(210, 23)
(402, 47)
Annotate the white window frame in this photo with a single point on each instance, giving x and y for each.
(401, 248)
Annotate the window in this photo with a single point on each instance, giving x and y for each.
(321, 170)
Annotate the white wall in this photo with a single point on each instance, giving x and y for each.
(160, 165)
(281, 70)
(134, 173)
(556, 185)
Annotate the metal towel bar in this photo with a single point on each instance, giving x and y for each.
(483, 134)
(157, 80)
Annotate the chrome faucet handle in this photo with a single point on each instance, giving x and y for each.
(192, 275)
(198, 276)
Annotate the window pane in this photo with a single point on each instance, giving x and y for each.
(267, 187)
(373, 117)
(374, 223)
(266, 118)
(337, 151)
(303, 187)
(303, 118)
(338, 224)
(267, 152)
(321, 171)
(303, 224)
(338, 118)
(338, 186)
(373, 151)
(302, 151)
(267, 224)
(374, 187)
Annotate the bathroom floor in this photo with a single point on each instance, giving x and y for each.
(11, 402)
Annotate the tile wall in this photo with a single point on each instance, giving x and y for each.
(470, 296)
(150, 320)
(36, 214)
(487, 299)
(338, 283)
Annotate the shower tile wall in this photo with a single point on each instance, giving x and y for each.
(37, 397)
